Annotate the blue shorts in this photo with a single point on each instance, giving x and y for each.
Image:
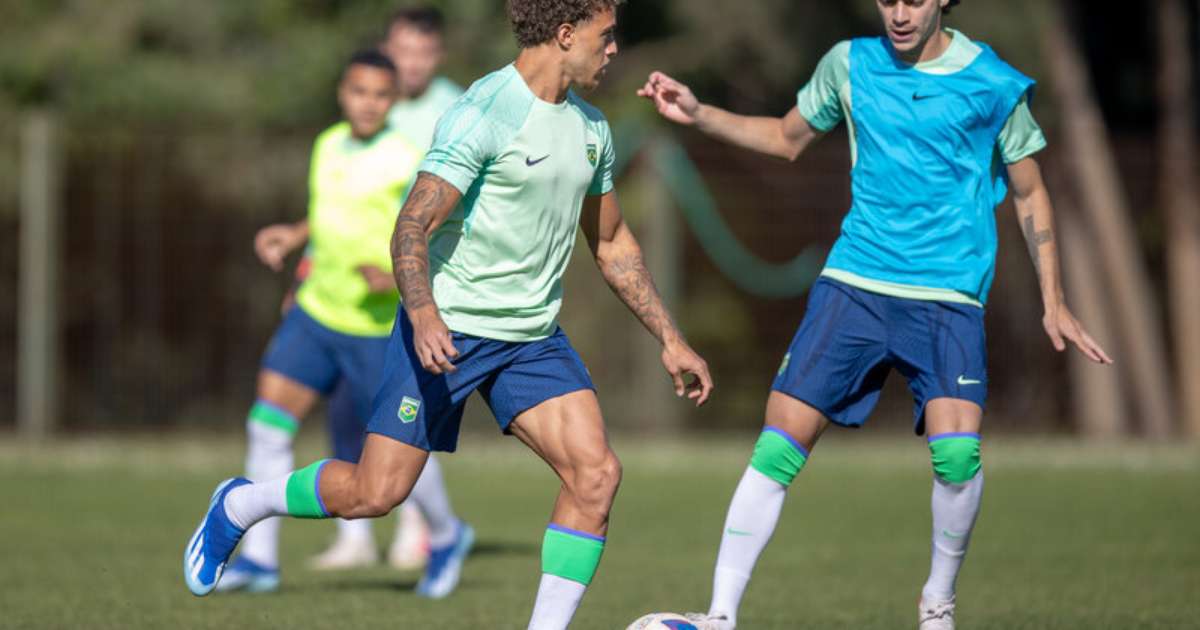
(424, 409)
(306, 351)
(851, 339)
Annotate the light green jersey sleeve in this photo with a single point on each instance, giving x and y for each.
(602, 182)
(819, 102)
(1021, 136)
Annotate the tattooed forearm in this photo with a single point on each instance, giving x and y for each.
(1034, 240)
(410, 241)
(631, 281)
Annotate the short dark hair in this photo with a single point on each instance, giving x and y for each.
(949, 5)
(371, 57)
(427, 19)
(534, 22)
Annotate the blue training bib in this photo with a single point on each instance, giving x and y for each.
(928, 176)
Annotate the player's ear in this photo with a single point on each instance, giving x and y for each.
(565, 36)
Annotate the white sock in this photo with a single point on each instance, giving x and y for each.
(557, 600)
(429, 495)
(751, 520)
(357, 529)
(268, 456)
(249, 504)
(955, 507)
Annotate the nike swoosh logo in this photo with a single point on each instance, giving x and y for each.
(963, 380)
(737, 532)
(529, 162)
(921, 97)
(949, 534)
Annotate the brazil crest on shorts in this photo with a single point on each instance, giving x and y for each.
(408, 410)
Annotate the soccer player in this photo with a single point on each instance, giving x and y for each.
(415, 42)
(338, 329)
(517, 165)
(939, 126)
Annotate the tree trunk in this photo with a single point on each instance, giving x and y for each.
(1180, 196)
(1093, 166)
(1097, 392)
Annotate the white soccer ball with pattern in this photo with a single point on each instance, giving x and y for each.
(662, 621)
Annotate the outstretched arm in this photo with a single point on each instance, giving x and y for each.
(1036, 217)
(432, 200)
(619, 258)
(786, 137)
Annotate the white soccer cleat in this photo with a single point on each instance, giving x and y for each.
(346, 553)
(704, 621)
(935, 615)
(409, 550)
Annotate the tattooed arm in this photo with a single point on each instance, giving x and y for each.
(1036, 217)
(432, 200)
(619, 258)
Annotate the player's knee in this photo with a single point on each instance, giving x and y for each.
(955, 456)
(778, 455)
(595, 484)
(379, 503)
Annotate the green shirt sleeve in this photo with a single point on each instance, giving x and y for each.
(1021, 136)
(602, 182)
(819, 102)
(463, 143)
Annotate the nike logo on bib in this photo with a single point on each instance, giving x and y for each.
(963, 380)
(529, 162)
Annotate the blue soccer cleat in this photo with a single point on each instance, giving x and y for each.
(244, 574)
(445, 565)
(216, 537)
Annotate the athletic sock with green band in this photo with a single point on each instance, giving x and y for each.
(957, 491)
(293, 495)
(569, 561)
(753, 514)
(270, 430)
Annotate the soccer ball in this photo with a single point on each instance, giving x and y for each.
(662, 621)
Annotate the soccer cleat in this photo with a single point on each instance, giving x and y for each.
(705, 621)
(213, 542)
(249, 576)
(935, 615)
(410, 545)
(346, 553)
(445, 565)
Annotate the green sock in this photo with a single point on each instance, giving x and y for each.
(303, 496)
(571, 554)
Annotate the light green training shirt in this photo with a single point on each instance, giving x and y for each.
(416, 118)
(355, 189)
(825, 101)
(524, 167)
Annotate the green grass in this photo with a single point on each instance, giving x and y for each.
(91, 534)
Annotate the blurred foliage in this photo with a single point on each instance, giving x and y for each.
(273, 62)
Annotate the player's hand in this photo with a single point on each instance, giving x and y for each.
(273, 243)
(1061, 325)
(681, 361)
(378, 280)
(432, 342)
(673, 99)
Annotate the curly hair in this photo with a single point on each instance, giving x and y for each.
(946, 9)
(534, 22)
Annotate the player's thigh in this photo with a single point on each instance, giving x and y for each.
(796, 418)
(568, 433)
(952, 415)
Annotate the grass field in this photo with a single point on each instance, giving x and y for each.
(1070, 537)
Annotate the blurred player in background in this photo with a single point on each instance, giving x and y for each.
(415, 42)
(337, 332)
(939, 126)
(518, 165)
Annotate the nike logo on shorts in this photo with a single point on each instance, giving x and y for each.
(963, 380)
